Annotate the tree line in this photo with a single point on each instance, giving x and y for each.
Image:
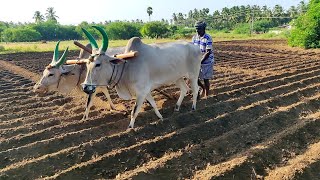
(46, 27)
(228, 18)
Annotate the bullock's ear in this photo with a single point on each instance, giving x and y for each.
(117, 61)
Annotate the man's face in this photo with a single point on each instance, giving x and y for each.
(200, 31)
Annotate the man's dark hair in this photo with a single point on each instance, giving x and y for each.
(200, 25)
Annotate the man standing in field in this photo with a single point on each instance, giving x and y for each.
(204, 41)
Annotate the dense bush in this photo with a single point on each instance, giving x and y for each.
(306, 31)
(242, 28)
(48, 30)
(262, 26)
(155, 30)
(89, 28)
(3, 26)
(67, 33)
(123, 30)
(21, 34)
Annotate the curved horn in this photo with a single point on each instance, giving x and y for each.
(55, 57)
(105, 39)
(91, 39)
(63, 58)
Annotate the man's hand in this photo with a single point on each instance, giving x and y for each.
(206, 55)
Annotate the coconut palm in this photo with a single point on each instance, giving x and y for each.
(302, 7)
(293, 12)
(175, 18)
(51, 14)
(149, 11)
(38, 17)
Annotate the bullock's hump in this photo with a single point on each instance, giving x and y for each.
(133, 43)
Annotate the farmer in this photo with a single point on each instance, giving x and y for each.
(204, 41)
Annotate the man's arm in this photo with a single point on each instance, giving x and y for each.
(206, 55)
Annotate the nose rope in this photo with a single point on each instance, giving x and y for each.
(59, 81)
(90, 77)
(80, 74)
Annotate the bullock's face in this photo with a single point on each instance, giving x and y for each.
(99, 71)
(54, 79)
(48, 81)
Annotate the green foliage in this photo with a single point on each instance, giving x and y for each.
(48, 30)
(3, 26)
(123, 30)
(21, 34)
(67, 33)
(242, 28)
(89, 28)
(155, 30)
(306, 32)
(262, 26)
(183, 33)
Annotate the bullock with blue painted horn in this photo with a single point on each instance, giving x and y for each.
(156, 65)
(64, 78)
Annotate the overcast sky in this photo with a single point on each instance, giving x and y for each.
(76, 11)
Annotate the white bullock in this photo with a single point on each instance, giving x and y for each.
(65, 78)
(156, 65)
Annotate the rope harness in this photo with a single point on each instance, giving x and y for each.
(80, 73)
(115, 77)
(111, 80)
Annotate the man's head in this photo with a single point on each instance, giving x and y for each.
(200, 27)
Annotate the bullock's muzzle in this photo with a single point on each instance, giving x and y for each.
(89, 89)
(39, 89)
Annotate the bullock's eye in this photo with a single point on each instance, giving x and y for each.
(50, 75)
(98, 65)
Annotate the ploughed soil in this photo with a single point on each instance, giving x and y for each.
(261, 121)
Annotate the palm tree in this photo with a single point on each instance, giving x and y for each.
(248, 13)
(51, 14)
(278, 12)
(190, 14)
(196, 14)
(175, 18)
(302, 7)
(38, 17)
(149, 11)
(292, 12)
(180, 18)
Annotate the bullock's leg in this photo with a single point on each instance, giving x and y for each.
(154, 105)
(183, 92)
(135, 111)
(195, 89)
(88, 105)
(106, 93)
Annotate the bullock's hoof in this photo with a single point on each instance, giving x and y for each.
(130, 127)
(176, 108)
(193, 108)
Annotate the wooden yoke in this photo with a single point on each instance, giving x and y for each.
(80, 61)
(125, 56)
(82, 47)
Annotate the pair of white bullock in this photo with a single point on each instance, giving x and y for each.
(156, 65)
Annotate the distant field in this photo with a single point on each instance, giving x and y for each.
(50, 45)
(6, 48)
